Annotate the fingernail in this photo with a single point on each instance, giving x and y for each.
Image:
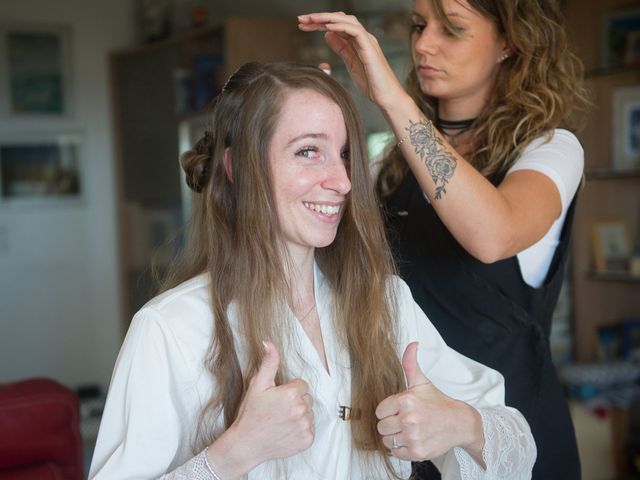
(266, 347)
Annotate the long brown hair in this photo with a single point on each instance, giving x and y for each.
(538, 88)
(234, 237)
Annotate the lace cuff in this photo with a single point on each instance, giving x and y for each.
(195, 469)
(509, 449)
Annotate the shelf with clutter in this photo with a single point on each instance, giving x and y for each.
(605, 234)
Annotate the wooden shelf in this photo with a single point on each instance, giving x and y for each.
(175, 40)
(611, 71)
(612, 277)
(610, 174)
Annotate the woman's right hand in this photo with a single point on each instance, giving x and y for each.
(272, 422)
(361, 54)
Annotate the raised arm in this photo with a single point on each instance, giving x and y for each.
(491, 223)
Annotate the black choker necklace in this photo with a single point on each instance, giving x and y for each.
(455, 124)
(458, 127)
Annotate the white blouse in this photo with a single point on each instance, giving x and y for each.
(160, 385)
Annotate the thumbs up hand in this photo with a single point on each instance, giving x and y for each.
(272, 421)
(422, 423)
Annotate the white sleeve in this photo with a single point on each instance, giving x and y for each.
(147, 416)
(194, 469)
(561, 159)
(509, 451)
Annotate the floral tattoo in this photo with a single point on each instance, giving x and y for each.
(440, 163)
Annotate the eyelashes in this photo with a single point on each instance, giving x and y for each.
(417, 25)
(307, 152)
(314, 152)
(417, 28)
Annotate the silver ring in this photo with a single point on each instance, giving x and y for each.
(395, 444)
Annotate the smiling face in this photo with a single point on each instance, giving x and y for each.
(455, 67)
(308, 161)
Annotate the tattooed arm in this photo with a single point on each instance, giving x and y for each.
(439, 160)
(490, 223)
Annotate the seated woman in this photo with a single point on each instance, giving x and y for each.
(284, 346)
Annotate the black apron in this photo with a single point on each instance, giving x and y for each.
(488, 313)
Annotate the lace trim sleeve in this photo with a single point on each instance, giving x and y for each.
(509, 449)
(195, 469)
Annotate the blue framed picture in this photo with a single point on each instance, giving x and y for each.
(620, 38)
(630, 347)
(35, 62)
(626, 128)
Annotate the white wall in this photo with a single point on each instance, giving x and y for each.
(59, 297)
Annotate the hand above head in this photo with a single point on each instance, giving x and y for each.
(272, 422)
(423, 423)
(360, 52)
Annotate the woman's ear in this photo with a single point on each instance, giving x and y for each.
(505, 52)
(228, 168)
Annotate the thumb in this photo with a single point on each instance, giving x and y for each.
(266, 374)
(411, 368)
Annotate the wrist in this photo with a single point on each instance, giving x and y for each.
(210, 468)
(401, 115)
(400, 109)
(228, 457)
(472, 435)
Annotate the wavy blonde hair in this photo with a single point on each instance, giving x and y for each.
(538, 88)
(234, 237)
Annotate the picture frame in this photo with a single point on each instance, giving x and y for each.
(626, 128)
(631, 53)
(35, 70)
(40, 169)
(630, 345)
(611, 246)
(610, 338)
(619, 42)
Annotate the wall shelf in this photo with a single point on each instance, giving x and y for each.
(611, 71)
(612, 277)
(600, 298)
(610, 174)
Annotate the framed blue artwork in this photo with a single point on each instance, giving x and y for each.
(626, 128)
(620, 45)
(36, 64)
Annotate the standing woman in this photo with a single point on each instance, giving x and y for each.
(480, 191)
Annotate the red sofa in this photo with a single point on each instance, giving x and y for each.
(39, 431)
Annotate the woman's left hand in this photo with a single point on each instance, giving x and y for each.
(360, 52)
(422, 423)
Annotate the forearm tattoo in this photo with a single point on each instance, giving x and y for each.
(440, 162)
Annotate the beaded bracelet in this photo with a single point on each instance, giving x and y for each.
(209, 467)
(401, 141)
